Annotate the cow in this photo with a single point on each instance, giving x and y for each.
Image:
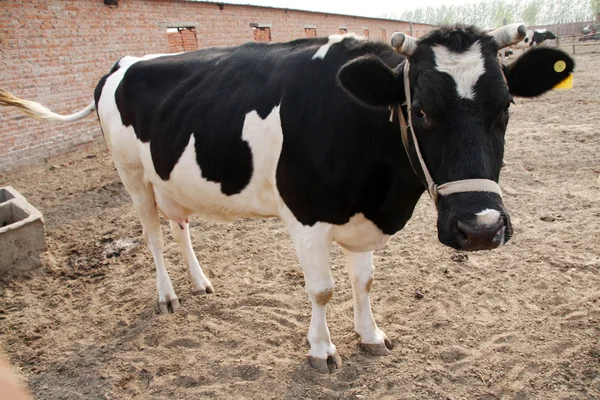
(338, 136)
(534, 38)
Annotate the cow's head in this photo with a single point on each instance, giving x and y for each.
(546, 34)
(459, 101)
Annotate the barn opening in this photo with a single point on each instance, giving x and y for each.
(310, 31)
(261, 32)
(182, 39)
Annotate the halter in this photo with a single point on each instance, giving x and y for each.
(435, 191)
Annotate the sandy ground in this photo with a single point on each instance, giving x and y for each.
(521, 322)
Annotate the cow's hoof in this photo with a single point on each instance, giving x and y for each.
(168, 306)
(207, 290)
(326, 365)
(378, 349)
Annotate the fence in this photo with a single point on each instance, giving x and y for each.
(583, 35)
(567, 28)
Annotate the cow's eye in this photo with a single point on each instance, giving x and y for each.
(419, 113)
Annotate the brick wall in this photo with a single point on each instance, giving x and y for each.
(55, 51)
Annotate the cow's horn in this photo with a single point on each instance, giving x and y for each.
(509, 34)
(404, 44)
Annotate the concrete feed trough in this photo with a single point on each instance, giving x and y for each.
(21, 233)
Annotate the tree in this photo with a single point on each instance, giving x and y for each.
(531, 11)
(595, 6)
(503, 13)
(493, 13)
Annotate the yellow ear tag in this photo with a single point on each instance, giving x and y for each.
(566, 84)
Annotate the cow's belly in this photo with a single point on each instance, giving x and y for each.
(187, 187)
(359, 235)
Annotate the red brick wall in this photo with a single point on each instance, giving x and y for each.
(55, 51)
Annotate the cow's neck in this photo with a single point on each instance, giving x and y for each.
(404, 186)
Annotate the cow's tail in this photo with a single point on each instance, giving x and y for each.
(39, 112)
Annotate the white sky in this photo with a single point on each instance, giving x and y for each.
(366, 8)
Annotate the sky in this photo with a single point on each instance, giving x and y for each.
(368, 8)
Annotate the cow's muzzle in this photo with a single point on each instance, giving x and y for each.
(472, 236)
(473, 221)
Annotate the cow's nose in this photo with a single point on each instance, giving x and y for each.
(477, 236)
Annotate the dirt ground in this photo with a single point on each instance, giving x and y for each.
(521, 322)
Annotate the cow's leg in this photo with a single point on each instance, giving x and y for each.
(181, 234)
(360, 269)
(313, 245)
(142, 196)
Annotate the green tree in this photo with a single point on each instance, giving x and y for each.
(595, 6)
(503, 13)
(531, 11)
(493, 13)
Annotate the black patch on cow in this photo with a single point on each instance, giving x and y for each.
(533, 73)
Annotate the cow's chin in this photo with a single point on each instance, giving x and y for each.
(473, 221)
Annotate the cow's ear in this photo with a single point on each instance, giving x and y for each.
(537, 71)
(371, 82)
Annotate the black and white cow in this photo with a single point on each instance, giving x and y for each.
(534, 38)
(339, 137)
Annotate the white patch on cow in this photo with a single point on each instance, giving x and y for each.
(540, 30)
(333, 39)
(127, 61)
(359, 234)
(488, 217)
(265, 138)
(465, 68)
(192, 191)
